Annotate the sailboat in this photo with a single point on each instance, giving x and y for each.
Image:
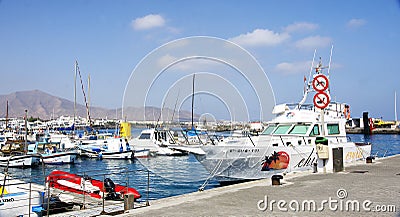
(14, 153)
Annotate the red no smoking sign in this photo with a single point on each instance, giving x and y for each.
(320, 83)
(321, 100)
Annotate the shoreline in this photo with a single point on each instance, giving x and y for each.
(359, 130)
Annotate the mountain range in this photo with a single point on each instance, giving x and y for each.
(45, 106)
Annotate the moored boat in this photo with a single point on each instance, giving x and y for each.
(157, 141)
(18, 199)
(111, 148)
(21, 160)
(85, 185)
(52, 153)
(300, 137)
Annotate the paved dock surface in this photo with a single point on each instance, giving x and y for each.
(361, 190)
(374, 187)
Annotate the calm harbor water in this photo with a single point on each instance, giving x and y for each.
(169, 176)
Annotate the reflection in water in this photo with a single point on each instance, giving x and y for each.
(382, 145)
(169, 176)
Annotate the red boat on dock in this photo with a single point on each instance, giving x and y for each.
(85, 185)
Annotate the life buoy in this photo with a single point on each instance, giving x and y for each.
(371, 124)
(346, 112)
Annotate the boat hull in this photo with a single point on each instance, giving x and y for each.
(143, 153)
(76, 184)
(60, 158)
(123, 155)
(238, 163)
(19, 199)
(30, 160)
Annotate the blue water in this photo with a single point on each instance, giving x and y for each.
(169, 176)
(382, 145)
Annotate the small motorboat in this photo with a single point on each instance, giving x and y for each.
(85, 185)
(141, 153)
(18, 198)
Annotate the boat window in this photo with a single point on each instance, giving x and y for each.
(282, 129)
(144, 136)
(333, 129)
(315, 130)
(269, 129)
(300, 129)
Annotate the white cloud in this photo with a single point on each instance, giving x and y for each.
(166, 60)
(148, 22)
(301, 26)
(355, 23)
(293, 68)
(313, 42)
(260, 37)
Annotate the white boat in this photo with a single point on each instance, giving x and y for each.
(157, 141)
(300, 137)
(17, 198)
(20, 160)
(52, 152)
(111, 148)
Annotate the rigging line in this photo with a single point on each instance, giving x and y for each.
(264, 155)
(311, 68)
(84, 95)
(176, 102)
(212, 174)
(301, 154)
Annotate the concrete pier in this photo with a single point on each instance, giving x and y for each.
(371, 189)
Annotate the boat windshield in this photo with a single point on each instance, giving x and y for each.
(282, 129)
(144, 136)
(333, 129)
(315, 130)
(300, 129)
(270, 128)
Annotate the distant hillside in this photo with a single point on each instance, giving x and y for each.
(43, 105)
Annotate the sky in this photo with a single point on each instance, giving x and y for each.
(41, 40)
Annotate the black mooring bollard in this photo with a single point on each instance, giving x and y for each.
(276, 179)
(315, 169)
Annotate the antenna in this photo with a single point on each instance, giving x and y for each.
(312, 66)
(330, 60)
(309, 81)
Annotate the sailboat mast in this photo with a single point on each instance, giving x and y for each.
(7, 116)
(26, 132)
(75, 71)
(88, 92)
(395, 106)
(193, 100)
(85, 98)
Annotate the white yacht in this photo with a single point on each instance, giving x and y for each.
(157, 141)
(300, 137)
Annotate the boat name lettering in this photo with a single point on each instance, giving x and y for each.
(305, 162)
(7, 200)
(244, 150)
(353, 155)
